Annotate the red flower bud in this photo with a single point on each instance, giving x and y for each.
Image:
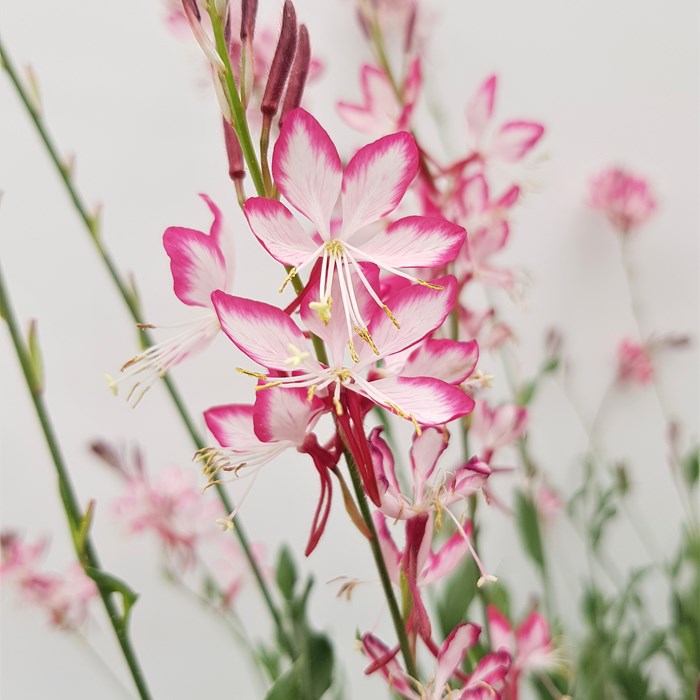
(300, 71)
(282, 61)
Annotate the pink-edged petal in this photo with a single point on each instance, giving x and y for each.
(514, 140)
(418, 309)
(480, 108)
(488, 240)
(415, 241)
(424, 454)
(452, 361)
(445, 560)
(453, 650)
(285, 415)
(384, 661)
(376, 180)
(307, 169)
(378, 93)
(217, 224)
(278, 231)
(361, 118)
(392, 556)
(197, 265)
(488, 678)
(429, 401)
(232, 426)
(473, 195)
(262, 331)
(498, 427)
(501, 632)
(534, 643)
(467, 480)
(509, 197)
(383, 462)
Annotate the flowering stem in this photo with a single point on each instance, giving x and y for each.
(84, 549)
(381, 568)
(131, 301)
(240, 123)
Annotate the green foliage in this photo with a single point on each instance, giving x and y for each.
(286, 574)
(691, 467)
(456, 597)
(529, 528)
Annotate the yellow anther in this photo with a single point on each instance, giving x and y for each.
(334, 247)
(111, 384)
(391, 316)
(322, 309)
(364, 334)
(250, 373)
(310, 393)
(397, 410)
(290, 276)
(269, 385)
(429, 284)
(296, 356)
(342, 374)
(417, 427)
(338, 406)
(353, 354)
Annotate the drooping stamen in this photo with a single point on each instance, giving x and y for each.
(485, 576)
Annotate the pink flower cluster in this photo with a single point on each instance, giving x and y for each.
(64, 598)
(625, 199)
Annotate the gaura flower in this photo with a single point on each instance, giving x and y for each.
(625, 199)
(383, 111)
(529, 645)
(200, 263)
(307, 170)
(484, 683)
(252, 436)
(498, 427)
(271, 338)
(511, 142)
(633, 363)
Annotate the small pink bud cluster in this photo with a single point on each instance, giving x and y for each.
(625, 199)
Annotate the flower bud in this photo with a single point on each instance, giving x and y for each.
(236, 169)
(249, 10)
(300, 71)
(282, 61)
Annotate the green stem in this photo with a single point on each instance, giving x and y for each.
(85, 550)
(239, 121)
(381, 568)
(131, 302)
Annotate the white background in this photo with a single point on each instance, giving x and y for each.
(613, 82)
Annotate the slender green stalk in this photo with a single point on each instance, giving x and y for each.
(130, 300)
(84, 548)
(240, 123)
(381, 568)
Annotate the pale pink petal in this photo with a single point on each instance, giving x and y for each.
(279, 232)
(392, 556)
(284, 415)
(473, 195)
(480, 108)
(307, 169)
(451, 361)
(429, 401)
(488, 678)
(514, 140)
(453, 650)
(445, 560)
(415, 241)
(500, 630)
(383, 462)
(379, 95)
(232, 426)
(263, 332)
(533, 641)
(509, 197)
(197, 265)
(418, 309)
(390, 669)
(424, 454)
(376, 179)
(361, 119)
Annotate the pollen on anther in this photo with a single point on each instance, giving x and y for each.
(430, 285)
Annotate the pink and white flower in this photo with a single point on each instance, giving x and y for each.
(625, 199)
(495, 428)
(200, 264)
(510, 142)
(308, 172)
(529, 645)
(383, 111)
(634, 363)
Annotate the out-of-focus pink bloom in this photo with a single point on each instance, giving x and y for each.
(634, 363)
(65, 598)
(308, 172)
(231, 571)
(511, 142)
(624, 198)
(530, 646)
(172, 508)
(200, 264)
(484, 683)
(498, 427)
(383, 111)
(549, 504)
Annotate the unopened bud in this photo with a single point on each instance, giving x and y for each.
(236, 169)
(410, 31)
(282, 61)
(190, 7)
(300, 71)
(249, 10)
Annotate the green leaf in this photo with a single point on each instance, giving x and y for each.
(529, 528)
(83, 530)
(526, 393)
(457, 595)
(691, 467)
(650, 646)
(34, 352)
(552, 365)
(286, 574)
(111, 584)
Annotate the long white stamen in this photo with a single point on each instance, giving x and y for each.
(324, 271)
(364, 280)
(348, 319)
(347, 271)
(485, 576)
